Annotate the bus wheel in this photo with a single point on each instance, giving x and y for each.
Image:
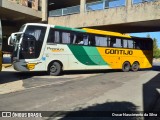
(55, 69)
(135, 66)
(126, 67)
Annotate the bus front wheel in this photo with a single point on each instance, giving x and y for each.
(135, 66)
(126, 67)
(55, 69)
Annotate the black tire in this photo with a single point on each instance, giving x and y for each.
(135, 66)
(126, 67)
(55, 69)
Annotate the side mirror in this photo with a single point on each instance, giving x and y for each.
(11, 41)
(13, 38)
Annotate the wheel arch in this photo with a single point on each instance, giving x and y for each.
(51, 62)
(137, 62)
(126, 61)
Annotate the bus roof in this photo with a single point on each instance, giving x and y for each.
(68, 28)
(101, 32)
(86, 30)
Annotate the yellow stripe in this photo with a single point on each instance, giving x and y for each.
(101, 32)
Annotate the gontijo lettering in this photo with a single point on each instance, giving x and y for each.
(119, 52)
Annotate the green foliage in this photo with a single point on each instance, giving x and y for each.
(156, 50)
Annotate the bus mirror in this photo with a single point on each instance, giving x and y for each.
(13, 38)
(11, 41)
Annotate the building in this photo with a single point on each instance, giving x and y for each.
(115, 15)
(14, 13)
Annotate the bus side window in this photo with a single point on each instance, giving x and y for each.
(130, 43)
(118, 43)
(53, 36)
(101, 41)
(66, 38)
(56, 37)
(125, 44)
(79, 39)
(85, 39)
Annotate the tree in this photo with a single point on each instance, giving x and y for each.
(156, 50)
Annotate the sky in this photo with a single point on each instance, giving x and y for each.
(152, 35)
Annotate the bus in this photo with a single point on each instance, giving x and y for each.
(51, 48)
(0, 46)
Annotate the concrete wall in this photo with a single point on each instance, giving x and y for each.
(19, 8)
(13, 15)
(147, 11)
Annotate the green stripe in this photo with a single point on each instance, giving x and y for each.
(94, 55)
(81, 55)
(87, 55)
(68, 28)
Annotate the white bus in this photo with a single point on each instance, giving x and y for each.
(42, 47)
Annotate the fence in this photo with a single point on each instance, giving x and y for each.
(141, 1)
(65, 11)
(100, 5)
(105, 4)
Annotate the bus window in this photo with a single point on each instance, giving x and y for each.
(54, 36)
(85, 39)
(101, 41)
(125, 44)
(66, 38)
(130, 43)
(118, 43)
(79, 38)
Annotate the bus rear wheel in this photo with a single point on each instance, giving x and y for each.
(55, 69)
(135, 66)
(126, 67)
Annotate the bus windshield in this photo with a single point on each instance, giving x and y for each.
(32, 42)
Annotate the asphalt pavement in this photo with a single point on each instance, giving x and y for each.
(76, 91)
